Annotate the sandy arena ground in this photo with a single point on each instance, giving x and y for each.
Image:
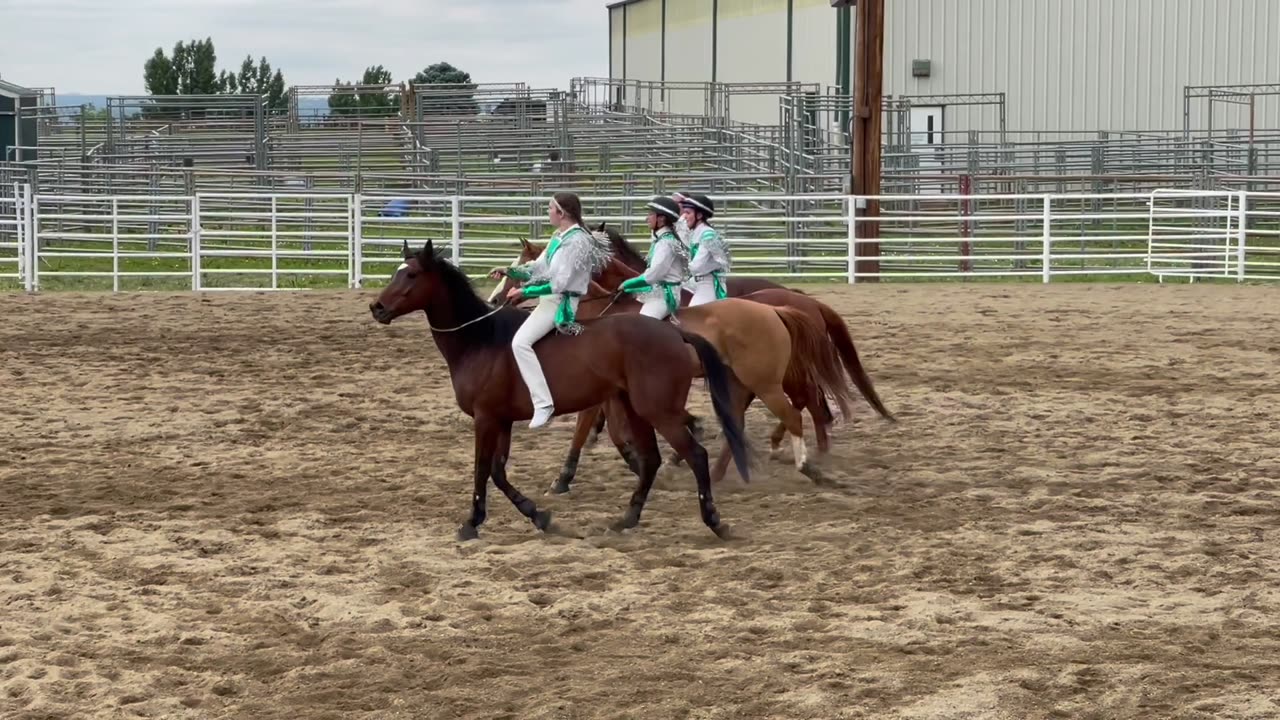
(244, 506)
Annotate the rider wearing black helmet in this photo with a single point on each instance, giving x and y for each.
(709, 254)
(667, 262)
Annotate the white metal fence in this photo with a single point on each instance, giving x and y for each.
(236, 241)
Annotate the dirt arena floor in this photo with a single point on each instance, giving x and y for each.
(244, 506)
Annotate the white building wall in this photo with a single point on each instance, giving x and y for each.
(813, 56)
(688, 52)
(1084, 65)
(752, 47)
(1065, 65)
(644, 45)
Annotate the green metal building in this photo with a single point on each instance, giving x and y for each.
(17, 131)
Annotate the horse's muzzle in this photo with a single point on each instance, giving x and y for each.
(380, 313)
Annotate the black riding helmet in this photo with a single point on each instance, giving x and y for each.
(699, 203)
(665, 206)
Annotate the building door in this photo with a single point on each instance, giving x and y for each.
(926, 140)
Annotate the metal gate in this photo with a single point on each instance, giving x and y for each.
(1196, 234)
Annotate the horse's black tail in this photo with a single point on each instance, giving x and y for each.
(720, 386)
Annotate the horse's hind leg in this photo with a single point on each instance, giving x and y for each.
(586, 419)
(541, 519)
(694, 425)
(775, 439)
(620, 433)
(692, 451)
(594, 436)
(648, 459)
(820, 413)
(777, 403)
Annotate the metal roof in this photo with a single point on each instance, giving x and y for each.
(8, 89)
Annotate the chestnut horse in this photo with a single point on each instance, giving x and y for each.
(598, 366)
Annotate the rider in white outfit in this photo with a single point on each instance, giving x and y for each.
(668, 262)
(558, 278)
(709, 254)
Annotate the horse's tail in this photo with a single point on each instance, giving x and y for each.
(719, 384)
(813, 358)
(838, 331)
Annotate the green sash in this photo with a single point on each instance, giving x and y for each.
(721, 292)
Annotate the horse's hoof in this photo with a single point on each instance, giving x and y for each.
(561, 486)
(628, 521)
(813, 473)
(468, 532)
(542, 520)
(722, 531)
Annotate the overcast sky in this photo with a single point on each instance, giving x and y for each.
(99, 46)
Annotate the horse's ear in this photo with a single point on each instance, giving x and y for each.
(429, 250)
(407, 252)
(601, 228)
(524, 243)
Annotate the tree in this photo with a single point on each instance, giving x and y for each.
(196, 65)
(193, 71)
(458, 100)
(257, 79)
(367, 98)
(159, 75)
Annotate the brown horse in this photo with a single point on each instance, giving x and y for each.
(770, 293)
(799, 386)
(598, 366)
(768, 348)
(627, 263)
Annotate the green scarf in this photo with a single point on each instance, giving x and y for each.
(721, 293)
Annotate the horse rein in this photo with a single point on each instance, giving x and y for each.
(469, 322)
(614, 298)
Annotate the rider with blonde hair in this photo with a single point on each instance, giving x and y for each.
(558, 278)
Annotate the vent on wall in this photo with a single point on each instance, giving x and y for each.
(921, 68)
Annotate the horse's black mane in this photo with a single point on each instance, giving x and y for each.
(495, 330)
(624, 250)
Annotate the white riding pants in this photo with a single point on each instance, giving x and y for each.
(704, 291)
(655, 308)
(540, 322)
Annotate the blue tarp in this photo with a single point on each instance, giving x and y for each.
(396, 208)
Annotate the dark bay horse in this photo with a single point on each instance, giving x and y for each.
(598, 366)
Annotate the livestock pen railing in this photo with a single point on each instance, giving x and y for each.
(246, 240)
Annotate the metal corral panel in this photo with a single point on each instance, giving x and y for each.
(1085, 65)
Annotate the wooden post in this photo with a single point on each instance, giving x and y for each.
(867, 92)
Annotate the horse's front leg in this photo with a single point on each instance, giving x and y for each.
(541, 519)
(586, 422)
(486, 440)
